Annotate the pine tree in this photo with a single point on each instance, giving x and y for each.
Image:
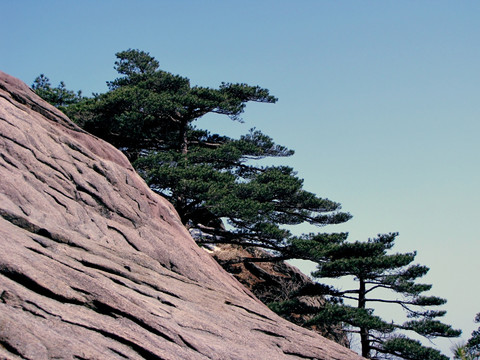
(373, 269)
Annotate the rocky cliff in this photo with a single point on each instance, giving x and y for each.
(93, 265)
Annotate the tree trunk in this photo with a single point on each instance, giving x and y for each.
(363, 331)
(183, 138)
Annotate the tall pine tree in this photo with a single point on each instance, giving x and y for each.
(209, 178)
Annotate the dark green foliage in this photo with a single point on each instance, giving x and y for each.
(350, 316)
(290, 306)
(409, 349)
(221, 182)
(474, 341)
(472, 347)
(135, 116)
(148, 108)
(373, 267)
(58, 96)
(430, 328)
(131, 63)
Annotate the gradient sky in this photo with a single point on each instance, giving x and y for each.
(379, 99)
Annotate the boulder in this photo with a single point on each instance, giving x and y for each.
(94, 265)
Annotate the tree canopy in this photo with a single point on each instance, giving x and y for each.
(151, 109)
(207, 185)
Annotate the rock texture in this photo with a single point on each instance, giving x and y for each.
(93, 265)
(274, 282)
(268, 281)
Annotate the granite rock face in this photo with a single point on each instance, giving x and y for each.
(93, 265)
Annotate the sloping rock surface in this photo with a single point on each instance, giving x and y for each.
(93, 265)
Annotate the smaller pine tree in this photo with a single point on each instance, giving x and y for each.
(374, 268)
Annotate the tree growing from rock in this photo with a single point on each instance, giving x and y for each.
(375, 269)
(209, 178)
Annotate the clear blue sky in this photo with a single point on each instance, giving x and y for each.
(379, 99)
